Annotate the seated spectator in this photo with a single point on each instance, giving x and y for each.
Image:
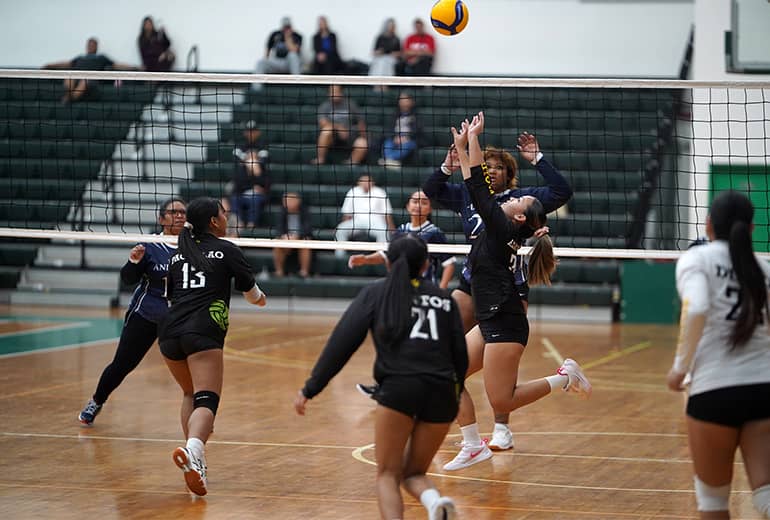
(419, 207)
(406, 132)
(155, 47)
(327, 60)
(75, 89)
(250, 188)
(282, 55)
(251, 141)
(336, 118)
(419, 49)
(387, 49)
(366, 210)
(293, 224)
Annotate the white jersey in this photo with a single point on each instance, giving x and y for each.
(706, 281)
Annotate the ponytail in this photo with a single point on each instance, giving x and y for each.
(199, 213)
(542, 261)
(751, 279)
(406, 255)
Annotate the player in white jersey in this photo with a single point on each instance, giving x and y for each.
(724, 344)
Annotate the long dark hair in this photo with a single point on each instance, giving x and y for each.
(142, 36)
(406, 255)
(731, 216)
(199, 213)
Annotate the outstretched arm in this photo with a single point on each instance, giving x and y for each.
(438, 188)
(557, 192)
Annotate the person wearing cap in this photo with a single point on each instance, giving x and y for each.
(418, 52)
(282, 55)
(251, 179)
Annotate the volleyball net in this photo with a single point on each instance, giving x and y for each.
(643, 157)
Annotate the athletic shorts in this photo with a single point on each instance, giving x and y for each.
(505, 327)
(732, 406)
(424, 398)
(182, 346)
(522, 290)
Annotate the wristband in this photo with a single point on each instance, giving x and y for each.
(445, 170)
(537, 158)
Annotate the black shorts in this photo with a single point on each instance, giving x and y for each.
(425, 398)
(182, 346)
(522, 290)
(732, 406)
(506, 326)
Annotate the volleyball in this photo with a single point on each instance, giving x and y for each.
(449, 17)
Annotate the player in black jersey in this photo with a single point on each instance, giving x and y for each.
(420, 368)
(193, 333)
(498, 305)
(147, 265)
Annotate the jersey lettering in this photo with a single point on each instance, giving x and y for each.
(198, 282)
(478, 222)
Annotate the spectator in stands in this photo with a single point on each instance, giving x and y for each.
(75, 89)
(406, 132)
(336, 118)
(250, 188)
(293, 224)
(419, 49)
(387, 49)
(282, 55)
(251, 141)
(366, 211)
(155, 47)
(327, 59)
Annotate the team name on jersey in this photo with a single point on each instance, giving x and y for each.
(725, 272)
(426, 300)
(163, 268)
(176, 258)
(208, 254)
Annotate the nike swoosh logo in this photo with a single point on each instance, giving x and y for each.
(477, 453)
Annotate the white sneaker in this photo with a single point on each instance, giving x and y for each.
(442, 509)
(194, 469)
(577, 382)
(501, 440)
(468, 456)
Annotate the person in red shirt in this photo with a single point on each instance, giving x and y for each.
(419, 49)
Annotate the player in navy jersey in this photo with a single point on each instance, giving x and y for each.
(420, 367)
(503, 330)
(419, 207)
(147, 265)
(502, 169)
(193, 332)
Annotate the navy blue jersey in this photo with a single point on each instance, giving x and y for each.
(456, 197)
(149, 299)
(431, 234)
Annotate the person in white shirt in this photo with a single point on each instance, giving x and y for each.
(724, 346)
(366, 210)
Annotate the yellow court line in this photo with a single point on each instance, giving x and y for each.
(617, 354)
(552, 352)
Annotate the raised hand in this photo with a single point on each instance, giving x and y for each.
(356, 261)
(461, 137)
(528, 147)
(477, 125)
(451, 161)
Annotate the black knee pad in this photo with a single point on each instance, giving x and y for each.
(206, 399)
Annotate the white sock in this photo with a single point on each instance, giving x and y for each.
(471, 434)
(557, 381)
(429, 496)
(501, 427)
(195, 446)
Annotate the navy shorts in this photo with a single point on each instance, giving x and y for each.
(731, 406)
(506, 326)
(422, 397)
(180, 347)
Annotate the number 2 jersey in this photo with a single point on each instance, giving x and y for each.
(200, 301)
(434, 344)
(707, 285)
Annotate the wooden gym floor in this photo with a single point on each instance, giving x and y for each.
(621, 455)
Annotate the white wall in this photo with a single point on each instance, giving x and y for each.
(511, 37)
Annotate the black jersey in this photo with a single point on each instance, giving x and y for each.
(492, 253)
(435, 344)
(200, 301)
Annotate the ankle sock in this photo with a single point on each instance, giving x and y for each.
(471, 434)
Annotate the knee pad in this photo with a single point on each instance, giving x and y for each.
(206, 399)
(711, 498)
(761, 499)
